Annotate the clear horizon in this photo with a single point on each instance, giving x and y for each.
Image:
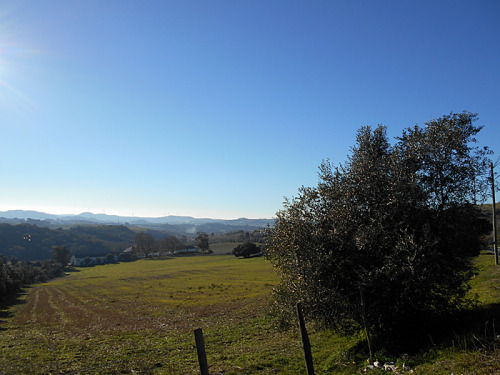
(220, 109)
(62, 213)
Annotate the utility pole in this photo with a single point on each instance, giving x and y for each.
(495, 245)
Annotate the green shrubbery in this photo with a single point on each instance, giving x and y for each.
(246, 250)
(14, 275)
(395, 226)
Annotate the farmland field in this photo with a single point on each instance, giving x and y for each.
(138, 318)
(223, 247)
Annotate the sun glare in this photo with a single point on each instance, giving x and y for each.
(16, 58)
(3, 66)
(8, 93)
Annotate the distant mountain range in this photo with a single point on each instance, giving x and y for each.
(185, 224)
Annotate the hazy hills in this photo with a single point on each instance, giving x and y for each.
(80, 240)
(171, 224)
(114, 219)
(90, 234)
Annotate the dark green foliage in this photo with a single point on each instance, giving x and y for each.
(126, 257)
(246, 225)
(110, 258)
(99, 240)
(395, 222)
(61, 255)
(112, 233)
(246, 250)
(81, 241)
(238, 236)
(15, 276)
(202, 241)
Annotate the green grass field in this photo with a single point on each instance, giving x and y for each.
(139, 318)
(223, 248)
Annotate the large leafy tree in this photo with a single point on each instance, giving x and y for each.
(395, 224)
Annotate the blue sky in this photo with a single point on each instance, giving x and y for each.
(221, 108)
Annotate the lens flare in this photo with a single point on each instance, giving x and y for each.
(18, 62)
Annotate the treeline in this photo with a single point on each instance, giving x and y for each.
(14, 274)
(178, 229)
(238, 236)
(146, 245)
(82, 241)
(99, 240)
(152, 243)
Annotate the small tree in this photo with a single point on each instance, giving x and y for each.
(61, 255)
(110, 258)
(144, 244)
(87, 262)
(246, 250)
(126, 257)
(202, 241)
(170, 244)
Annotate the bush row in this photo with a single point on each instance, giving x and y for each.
(15, 275)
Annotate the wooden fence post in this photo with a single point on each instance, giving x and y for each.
(306, 345)
(495, 244)
(200, 348)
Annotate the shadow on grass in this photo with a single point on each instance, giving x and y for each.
(471, 329)
(476, 328)
(7, 302)
(165, 257)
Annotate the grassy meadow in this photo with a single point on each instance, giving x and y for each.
(223, 248)
(138, 318)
